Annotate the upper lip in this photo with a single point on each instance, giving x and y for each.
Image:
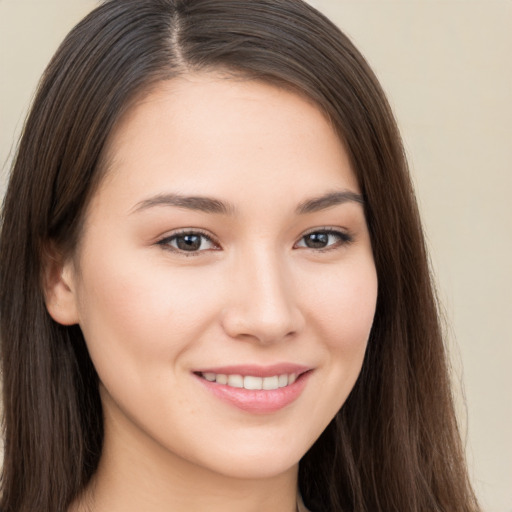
(256, 370)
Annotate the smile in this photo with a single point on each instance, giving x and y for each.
(256, 389)
(251, 382)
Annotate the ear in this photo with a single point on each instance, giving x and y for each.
(59, 279)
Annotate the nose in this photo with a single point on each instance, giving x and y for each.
(262, 304)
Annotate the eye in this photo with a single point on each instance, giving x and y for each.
(188, 242)
(324, 239)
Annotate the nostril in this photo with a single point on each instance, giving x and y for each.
(262, 303)
(248, 325)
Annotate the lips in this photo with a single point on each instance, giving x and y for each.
(256, 389)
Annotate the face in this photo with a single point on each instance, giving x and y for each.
(224, 282)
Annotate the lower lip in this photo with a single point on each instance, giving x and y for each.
(257, 401)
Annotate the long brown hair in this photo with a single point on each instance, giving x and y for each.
(394, 445)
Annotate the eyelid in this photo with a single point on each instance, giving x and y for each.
(343, 235)
(164, 241)
(345, 238)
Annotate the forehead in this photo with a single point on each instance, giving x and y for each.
(218, 133)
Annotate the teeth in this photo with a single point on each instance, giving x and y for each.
(271, 382)
(236, 381)
(283, 380)
(251, 382)
(221, 379)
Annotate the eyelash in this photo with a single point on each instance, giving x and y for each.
(343, 238)
(166, 241)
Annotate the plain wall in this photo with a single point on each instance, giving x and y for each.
(446, 66)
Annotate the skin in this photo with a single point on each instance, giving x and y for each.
(255, 292)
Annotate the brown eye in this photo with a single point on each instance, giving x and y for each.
(188, 242)
(316, 240)
(324, 239)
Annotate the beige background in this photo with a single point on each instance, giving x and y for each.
(446, 65)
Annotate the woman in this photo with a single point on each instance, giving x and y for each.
(214, 287)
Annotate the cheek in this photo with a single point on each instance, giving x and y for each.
(344, 312)
(130, 312)
(340, 304)
(344, 305)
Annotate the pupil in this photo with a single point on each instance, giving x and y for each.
(189, 242)
(317, 240)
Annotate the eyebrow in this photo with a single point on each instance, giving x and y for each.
(329, 200)
(197, 203)
(211, 205)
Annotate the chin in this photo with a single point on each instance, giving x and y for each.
(259, 462)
